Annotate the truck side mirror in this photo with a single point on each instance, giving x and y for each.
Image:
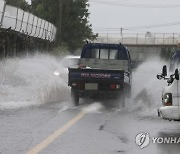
(164, 71)
(176, 74)
(159, 76)
(163, 74)
(170, 80)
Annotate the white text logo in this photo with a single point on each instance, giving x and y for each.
(142, 139)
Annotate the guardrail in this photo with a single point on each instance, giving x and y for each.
(140, 38)
(24, 22)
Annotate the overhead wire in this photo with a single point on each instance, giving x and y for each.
(154, 26)
(137, 28)
(125, 4)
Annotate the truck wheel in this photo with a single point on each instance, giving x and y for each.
(122, 101)
(129, 92)
(75, 98)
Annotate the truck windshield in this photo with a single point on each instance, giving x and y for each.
(175, 61)
(106, 54)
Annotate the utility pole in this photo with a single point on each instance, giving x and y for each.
(60, 21)
(121, 30)
(121, 36)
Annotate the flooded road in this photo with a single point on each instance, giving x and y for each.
(36, 113)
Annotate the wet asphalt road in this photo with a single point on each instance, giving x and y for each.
(91, 128)
(100, 130)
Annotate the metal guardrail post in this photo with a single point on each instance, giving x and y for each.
(36, 27)
(39, 28)
(32, 25)
(122, 38)
(27, 23)
(136, 39)
(53, 29)
(47, 31)
(43, 29)
(163, 38)
(16, 19)
(3, 14)
(107, 38)
(22, 22)
(60, 20)
(50, 36)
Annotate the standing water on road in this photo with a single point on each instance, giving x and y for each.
(31, 81)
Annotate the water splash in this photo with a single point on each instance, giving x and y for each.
(93, 108)
(146, 88)
(30, 81)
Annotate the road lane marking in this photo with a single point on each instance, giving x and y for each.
(55, 135)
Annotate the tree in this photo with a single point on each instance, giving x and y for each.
(75, 27)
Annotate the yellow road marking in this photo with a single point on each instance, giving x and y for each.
(55, 135)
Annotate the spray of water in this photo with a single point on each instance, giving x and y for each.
(146, 88)
(31, 81)
(93, 108)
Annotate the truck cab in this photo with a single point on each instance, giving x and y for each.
(175, 60)
(170, 108)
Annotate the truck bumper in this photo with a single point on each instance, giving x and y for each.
(169, 112)
(99, 94)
